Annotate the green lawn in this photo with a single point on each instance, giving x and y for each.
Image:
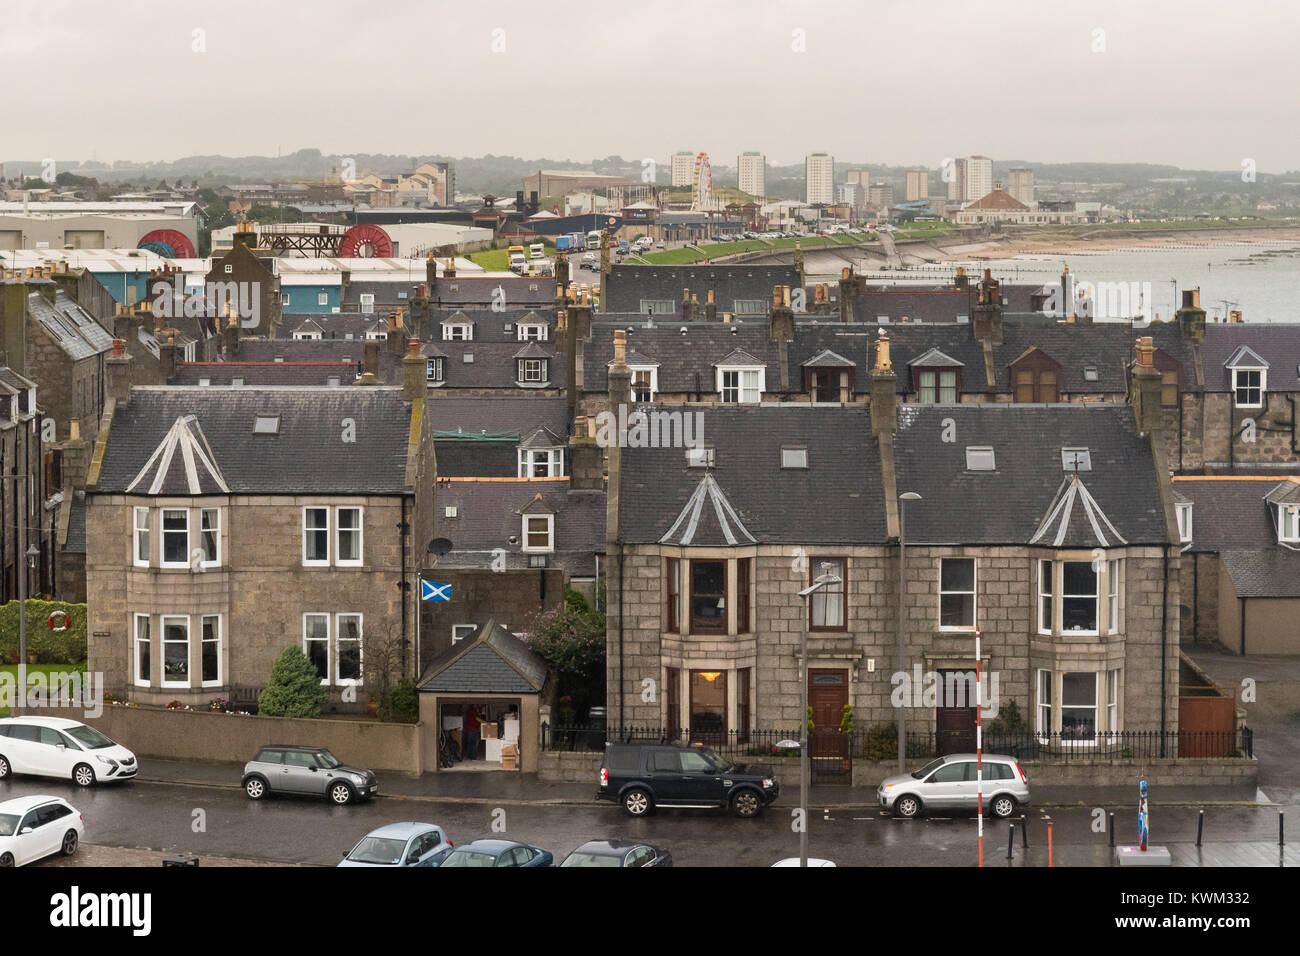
(11, 680)
(924, 230)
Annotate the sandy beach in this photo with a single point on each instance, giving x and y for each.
(1005, 247)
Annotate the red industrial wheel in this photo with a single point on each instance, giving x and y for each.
(366, 241)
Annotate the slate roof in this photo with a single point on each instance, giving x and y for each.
(1009, 505)
(265, 373)
(461, 458)
(836, 500)
(493, 661)
(488, 514)
(490, 326)
(1277, 343)
(1230, 514)
(505, 414)
(685, 361)
(1263, 574)
(1075, 520)
(478, 291)
(308, 456)
(388, 295)
(76, 540)
(69, 325)
(337, 325)
(627, 285)
(707, 519)
(182, 464)
(938, 304)
(493, 364)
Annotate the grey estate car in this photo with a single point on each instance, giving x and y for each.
(949, 783)
(312, 771)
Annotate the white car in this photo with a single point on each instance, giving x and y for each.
(57, 747)
(35, 827)
(794, 861)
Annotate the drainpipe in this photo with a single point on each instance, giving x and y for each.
(1291, 398)
(404, 586)
(1164, 645)
(621, 715)
(1243, 626)
(1196, 597)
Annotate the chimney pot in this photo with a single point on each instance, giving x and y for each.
(414, 346)
(119, 346)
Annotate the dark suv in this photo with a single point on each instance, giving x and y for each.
(306, 770)
(642, 776)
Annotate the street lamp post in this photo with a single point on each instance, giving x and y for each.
(825, 578)
(902, 627)
(31, 554)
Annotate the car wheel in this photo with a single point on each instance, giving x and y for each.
(6, 860)
(340, 794)
(1003, 806)
(637, 803)
(83, 775)
(70, 843)
(907, 806)
(255, 787)
(4, 768)
(746, 804)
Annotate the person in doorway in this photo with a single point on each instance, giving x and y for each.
(471, 733)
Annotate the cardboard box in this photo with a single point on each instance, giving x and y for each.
(509, 763)
(488, 731)
(510, 750)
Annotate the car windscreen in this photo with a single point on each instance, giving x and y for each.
(722, 763)
(376, 850)
(591, 859)
(8, 824)
(327, 760)
(89, 737)
(928, 769)
(469, 858)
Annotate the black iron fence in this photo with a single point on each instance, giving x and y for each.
(881, 744)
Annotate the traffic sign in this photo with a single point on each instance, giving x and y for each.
(434, 591)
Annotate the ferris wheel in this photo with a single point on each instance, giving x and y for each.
(702, 184)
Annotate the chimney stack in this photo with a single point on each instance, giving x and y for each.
(687, 312)
(396, 334)
(431, 275)
(710, 309)
(1191, 318)
(117, 372)
(781, 321)
(372, 357)
(884, 390)
(986, 323)
(1145, 387)
(413, 368)
(620, 396)
(231, 340)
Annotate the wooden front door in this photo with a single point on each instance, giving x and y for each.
(954, 715)
(828, 749)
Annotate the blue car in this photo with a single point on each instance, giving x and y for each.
(498, 853)
(400, 844)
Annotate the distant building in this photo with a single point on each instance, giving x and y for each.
(881, 195)
(753, 173)
(819, 172)
(851, 194)
(683, 167)
(1021, 185)
(979, 177)
(561, 182)
(918, 184)
(857, 177)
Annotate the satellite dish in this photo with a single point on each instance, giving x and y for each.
(440, 546)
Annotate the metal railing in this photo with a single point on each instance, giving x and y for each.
(881, 743)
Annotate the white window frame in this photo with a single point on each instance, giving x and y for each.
(366, 303)
(136, 641)
(434, 365)
(554, 462)
(162, 538)
(1183, 511)
(338, 537)
(458, 332)
(741, 389)
(1046, 590)
(653, 373)
(1263, 387)
(974, 593)
(1096, 599)
(316, 562)
(1112, 701)
(1288, 514)
(284, 298)
(550, 534)
(322, 298)
(1095, 706)
(533, 371)
(461, 631)
(216, 561)
(202, 641)
(1043, 688)
(328, 641)
(162, 635)
(339, 680)
(531, 331)
(147, 530)
(1114, 572)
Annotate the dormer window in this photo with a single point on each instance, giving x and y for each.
(742, 386)
(1248, 387)
(539, 533)
(541, 462)
(1036, 378)
(433, 370)
(532, 371)
(937, 386)
(1288, 529)
(1183, 511)
(367, 303)
(531, 331)
(645, 382)
(458, 332)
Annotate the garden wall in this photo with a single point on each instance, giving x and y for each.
(203, 735)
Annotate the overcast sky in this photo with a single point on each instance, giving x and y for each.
(1195, 83)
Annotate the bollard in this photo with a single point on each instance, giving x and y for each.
(1200, 826)
(1112, 829)
(1024, 834)
(1011, 839)
(1049, 844)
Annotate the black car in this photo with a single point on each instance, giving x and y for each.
(619, 853)
(642, 776)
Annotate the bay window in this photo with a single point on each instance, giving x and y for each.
(176, 651)
(1044, 597)
(1078, 597)
(1078, 706)
(210, 656)
(143, 661)
(708, 596)
(210, 537)
(1044, 722)
(674, 590)
(175, 538)
(141, 551)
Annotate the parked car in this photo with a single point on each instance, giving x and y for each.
(35, 827)
(498, 853)
(949, 783)
(314, 771)
(617, 853)
(642, 776)
(58, 747)
(794, 861)
(400, 844)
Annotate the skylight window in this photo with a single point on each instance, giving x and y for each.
(1076, 459)
(700, 457)
(266, 425)
(794, 457)
(979, 458)
(1090, 373)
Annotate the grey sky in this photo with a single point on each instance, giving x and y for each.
(1195, 83)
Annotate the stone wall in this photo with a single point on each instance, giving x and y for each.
(1213, 430)
(559, 767)
(66, 389)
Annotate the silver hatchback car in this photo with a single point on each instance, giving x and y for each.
(949, 783)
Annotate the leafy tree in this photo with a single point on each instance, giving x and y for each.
(294, 689)
(570, 638)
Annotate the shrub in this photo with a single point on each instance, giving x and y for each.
(1008, 721)
(50, 647)
(406, 701)
(294, 689)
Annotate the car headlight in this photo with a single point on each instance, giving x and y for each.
(108, 760)
(886, 786)
(357, 778)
